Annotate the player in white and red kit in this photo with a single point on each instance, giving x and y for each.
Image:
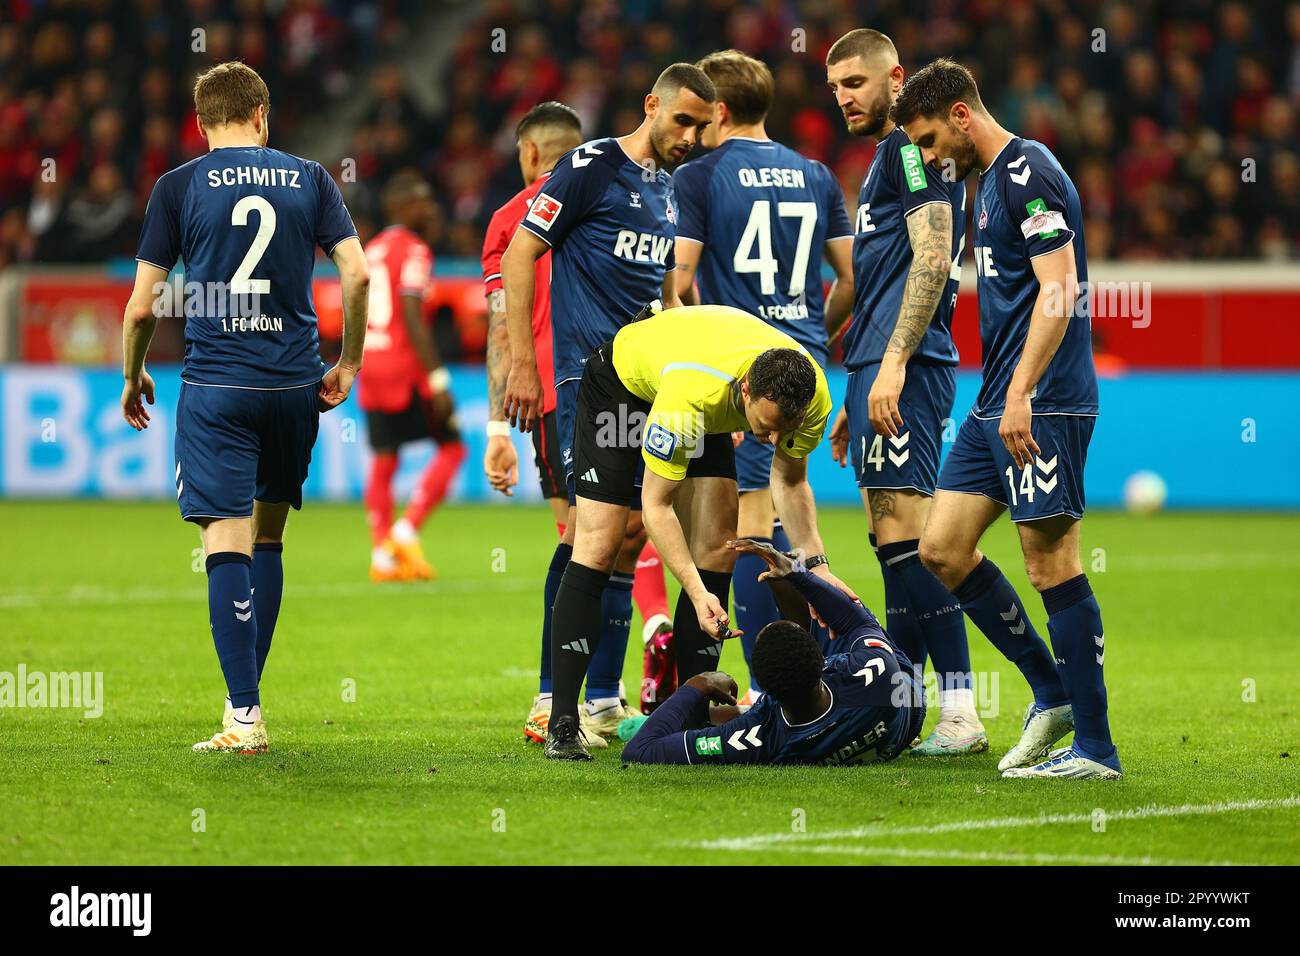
(545, 133)
(405, 390)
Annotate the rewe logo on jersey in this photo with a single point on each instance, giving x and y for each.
(642, 247)
(544, 210)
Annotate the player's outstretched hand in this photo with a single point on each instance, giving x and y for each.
(335, 386)
(716, 686)
(882, 400)
(501, 464)
(737, 438)
(840, 438)
(1016, 431)
(779, 564)
(523, 403)
(133, 409)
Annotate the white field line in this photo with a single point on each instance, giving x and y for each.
(105, 596)
(769, 840)
(989, 856)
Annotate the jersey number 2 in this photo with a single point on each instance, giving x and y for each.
(240, 283)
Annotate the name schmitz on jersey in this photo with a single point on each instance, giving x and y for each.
(254, 176)
(246, 222)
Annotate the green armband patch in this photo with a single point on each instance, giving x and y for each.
(913, 167)
(1040, 220)
(706, 746)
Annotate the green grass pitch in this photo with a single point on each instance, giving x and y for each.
(427, 764)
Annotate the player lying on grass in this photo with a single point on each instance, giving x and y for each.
(650, 398)
(861, 706)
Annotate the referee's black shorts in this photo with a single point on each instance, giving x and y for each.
(607, 463)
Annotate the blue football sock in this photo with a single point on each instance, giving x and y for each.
(1074, 623)
(935, 610)
(268, 585)
(992, 604)
(606, 667)
(902, 627)
(234, 628)
(559, 561)
(754, 603)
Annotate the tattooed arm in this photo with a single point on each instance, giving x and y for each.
(500, 460)
(929, 228)
(498, 355)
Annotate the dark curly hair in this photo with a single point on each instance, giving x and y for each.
(785, 376)
(787, 663)
(932, 90)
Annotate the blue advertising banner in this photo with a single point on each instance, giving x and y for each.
(1218, 440)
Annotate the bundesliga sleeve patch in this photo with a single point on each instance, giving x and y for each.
(543, 211)
(913, 167)
(707, 746)
(660, 442)
(1042, 222)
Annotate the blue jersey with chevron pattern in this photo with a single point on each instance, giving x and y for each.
(246, 221)
(1027, 207)
(611, 224)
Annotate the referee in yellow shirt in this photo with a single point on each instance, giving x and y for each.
(647, 400)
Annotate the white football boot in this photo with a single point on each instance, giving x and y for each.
(1069, 763)
(1042, 729)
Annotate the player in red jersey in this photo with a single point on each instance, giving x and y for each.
(546, 133)
(405, 390)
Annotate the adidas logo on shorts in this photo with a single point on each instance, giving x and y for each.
(590, 475)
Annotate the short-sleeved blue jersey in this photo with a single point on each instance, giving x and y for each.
(246, 221)
(763, 214)
(611, 224)
(1026, 207)
(898, 182)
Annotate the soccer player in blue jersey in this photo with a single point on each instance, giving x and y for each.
(756, 219)
(859, 706)
(902, 371)
(245, 220)
(609, 216)
(1024, 444)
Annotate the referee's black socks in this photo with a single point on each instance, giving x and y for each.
(696, 651)
(575, 635)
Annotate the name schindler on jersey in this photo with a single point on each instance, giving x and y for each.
(75, 908)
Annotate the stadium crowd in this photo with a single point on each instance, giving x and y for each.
(1176, 119)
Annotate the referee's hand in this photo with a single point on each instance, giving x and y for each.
(335, 386)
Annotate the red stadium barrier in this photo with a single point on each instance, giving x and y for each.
(1201, 316)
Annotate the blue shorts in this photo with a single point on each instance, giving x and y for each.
(237, 445)
(910, 459)
(979, 464)
(566, 416)
(753, 464)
